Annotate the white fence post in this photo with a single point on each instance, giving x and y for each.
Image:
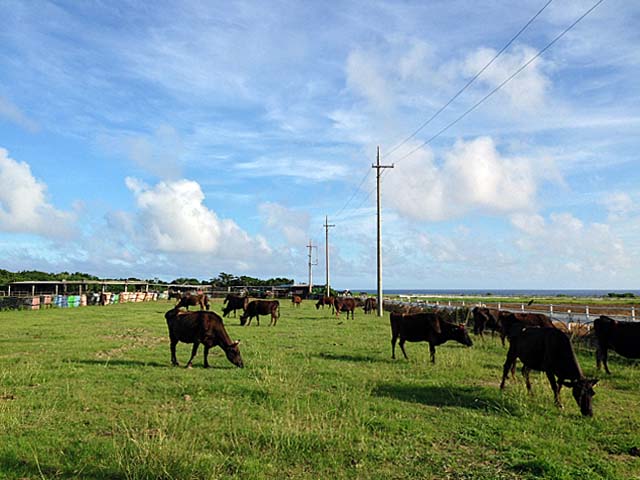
(551, 310)
(633, 314)
(522, 307)
(586, 308)
(498, 305)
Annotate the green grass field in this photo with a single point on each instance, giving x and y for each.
(90, 393)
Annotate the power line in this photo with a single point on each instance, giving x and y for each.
(354, 194)
(428, 121)
(513, 75)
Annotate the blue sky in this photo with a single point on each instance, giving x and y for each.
(185, 139)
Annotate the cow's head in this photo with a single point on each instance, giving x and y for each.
(243, 319)
(462, 336)
(233, 354)
(583, 392)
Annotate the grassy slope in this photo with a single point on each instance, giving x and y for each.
(89, 393)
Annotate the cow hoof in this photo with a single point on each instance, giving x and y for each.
(189, 366)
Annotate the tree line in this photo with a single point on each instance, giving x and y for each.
(222, 280)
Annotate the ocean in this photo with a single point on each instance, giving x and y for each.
(501, 293)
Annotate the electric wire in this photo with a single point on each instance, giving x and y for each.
(507, 80)
(474, 78)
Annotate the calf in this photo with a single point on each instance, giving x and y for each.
(425, 327)
(345, 304)
(296, 300)
(200, 327)
(233, 303)
(622, 337)
(188, 299)
(549, 350)
(255, 308)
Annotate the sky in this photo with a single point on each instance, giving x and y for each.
(185, 139)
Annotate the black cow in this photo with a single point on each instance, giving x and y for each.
(255, 308)
(484, 317)
(370, 305)
(345, 304)
(425, 327)
(233, 303)
(200, 327)
(174, 294)
(622, 337)
(549, 350)
(511, 323)
(199, 299)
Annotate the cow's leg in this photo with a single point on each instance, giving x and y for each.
(394, 337)
(525, 373)
(206, 356)
(174, 360)
(555, 386)
(508, 365)
(402, 340)
(194, 350)
(601, 356)
(432, 352)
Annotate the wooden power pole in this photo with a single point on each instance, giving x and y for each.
(326, 255)
(377, 166)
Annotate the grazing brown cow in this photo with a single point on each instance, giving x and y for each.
(549, 350)
(296, 300)
(234, 302)
(425, 327)
(322, 301)
(255, 308)
(622, 337)
(200, 327)
(198, 299)
(370, 305)
(345, 304)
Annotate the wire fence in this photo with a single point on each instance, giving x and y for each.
(564, 312)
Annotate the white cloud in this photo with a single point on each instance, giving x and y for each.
(12, 113)
(566, 241)
(473, 177)
(619, 205)
(293, 224)
(173, 218)
(527, 90)
(292, 167)
(23, 202)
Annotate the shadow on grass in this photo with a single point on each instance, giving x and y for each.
(476, 398)
(139, 363)
(35, 469)
(351, 358)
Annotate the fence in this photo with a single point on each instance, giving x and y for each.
(563, 312)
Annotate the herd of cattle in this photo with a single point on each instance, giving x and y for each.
(534, 339)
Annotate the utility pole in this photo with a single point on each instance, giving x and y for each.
(377, 166)
(311, 264)
(326, 255)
